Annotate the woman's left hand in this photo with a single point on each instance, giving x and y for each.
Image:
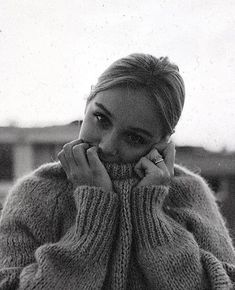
(157, 167)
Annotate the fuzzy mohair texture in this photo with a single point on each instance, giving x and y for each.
(153, 237)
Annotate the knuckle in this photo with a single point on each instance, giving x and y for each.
(155, 154)
(71, 144)
(79, 141)
(66, 149)
(60, 154)
(156, 150)
(79, 147)
(67, 145)
(75, 148)
(74, 142)
(90, 150)
(151, 151)
(83, 145)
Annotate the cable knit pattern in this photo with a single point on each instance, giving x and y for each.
(153, 237)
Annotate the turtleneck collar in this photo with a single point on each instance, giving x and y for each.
(118, 171)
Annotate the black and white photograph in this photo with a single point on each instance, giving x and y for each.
(117, 145)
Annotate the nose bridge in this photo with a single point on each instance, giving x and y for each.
(109, 142)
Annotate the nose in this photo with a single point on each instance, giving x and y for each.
(109, 145)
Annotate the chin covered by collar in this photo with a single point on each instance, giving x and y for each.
(115, 170)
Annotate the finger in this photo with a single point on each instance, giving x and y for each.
(73, 142)
(155, 155)
(68, 146)
(169, 157)
(68, 150)
(63, 162)
(161, 165)
(139, 170)
(93, 158)
(145, 166)
(161, 146)
(79, 154)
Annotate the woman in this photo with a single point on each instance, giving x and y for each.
(116, 212)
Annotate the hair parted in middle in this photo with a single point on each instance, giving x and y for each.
(159, 77)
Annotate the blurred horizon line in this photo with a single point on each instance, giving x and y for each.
(49, 124)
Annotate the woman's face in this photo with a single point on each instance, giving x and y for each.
(123, 123)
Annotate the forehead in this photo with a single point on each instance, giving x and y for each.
(130, 107)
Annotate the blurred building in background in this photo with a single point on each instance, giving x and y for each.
(24, 149)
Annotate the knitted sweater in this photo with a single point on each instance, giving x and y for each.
(154, 237)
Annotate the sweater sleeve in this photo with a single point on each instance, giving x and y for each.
(31, 258)
(181, 239)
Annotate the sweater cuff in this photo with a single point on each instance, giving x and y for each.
(150, 224)
(150, 197)
(96, 218)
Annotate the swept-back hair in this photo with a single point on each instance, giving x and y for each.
(158, 76)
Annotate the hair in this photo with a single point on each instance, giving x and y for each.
(159, 77)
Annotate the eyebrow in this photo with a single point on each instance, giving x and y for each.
(104, 109)
(140, 130)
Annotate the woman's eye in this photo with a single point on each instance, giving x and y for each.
(102, 120)
(135, 139)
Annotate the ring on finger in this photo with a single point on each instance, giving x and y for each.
(157, 160)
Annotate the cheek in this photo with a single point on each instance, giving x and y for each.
(132, 154)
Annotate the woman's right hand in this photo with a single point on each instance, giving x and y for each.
(83, 166)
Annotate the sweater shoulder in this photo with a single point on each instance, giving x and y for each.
(190, 186)
(50, 173)
(44, 184)
(188, 177)
(50, 170)
(36, 202)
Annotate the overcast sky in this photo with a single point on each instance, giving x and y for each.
(51, 52)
